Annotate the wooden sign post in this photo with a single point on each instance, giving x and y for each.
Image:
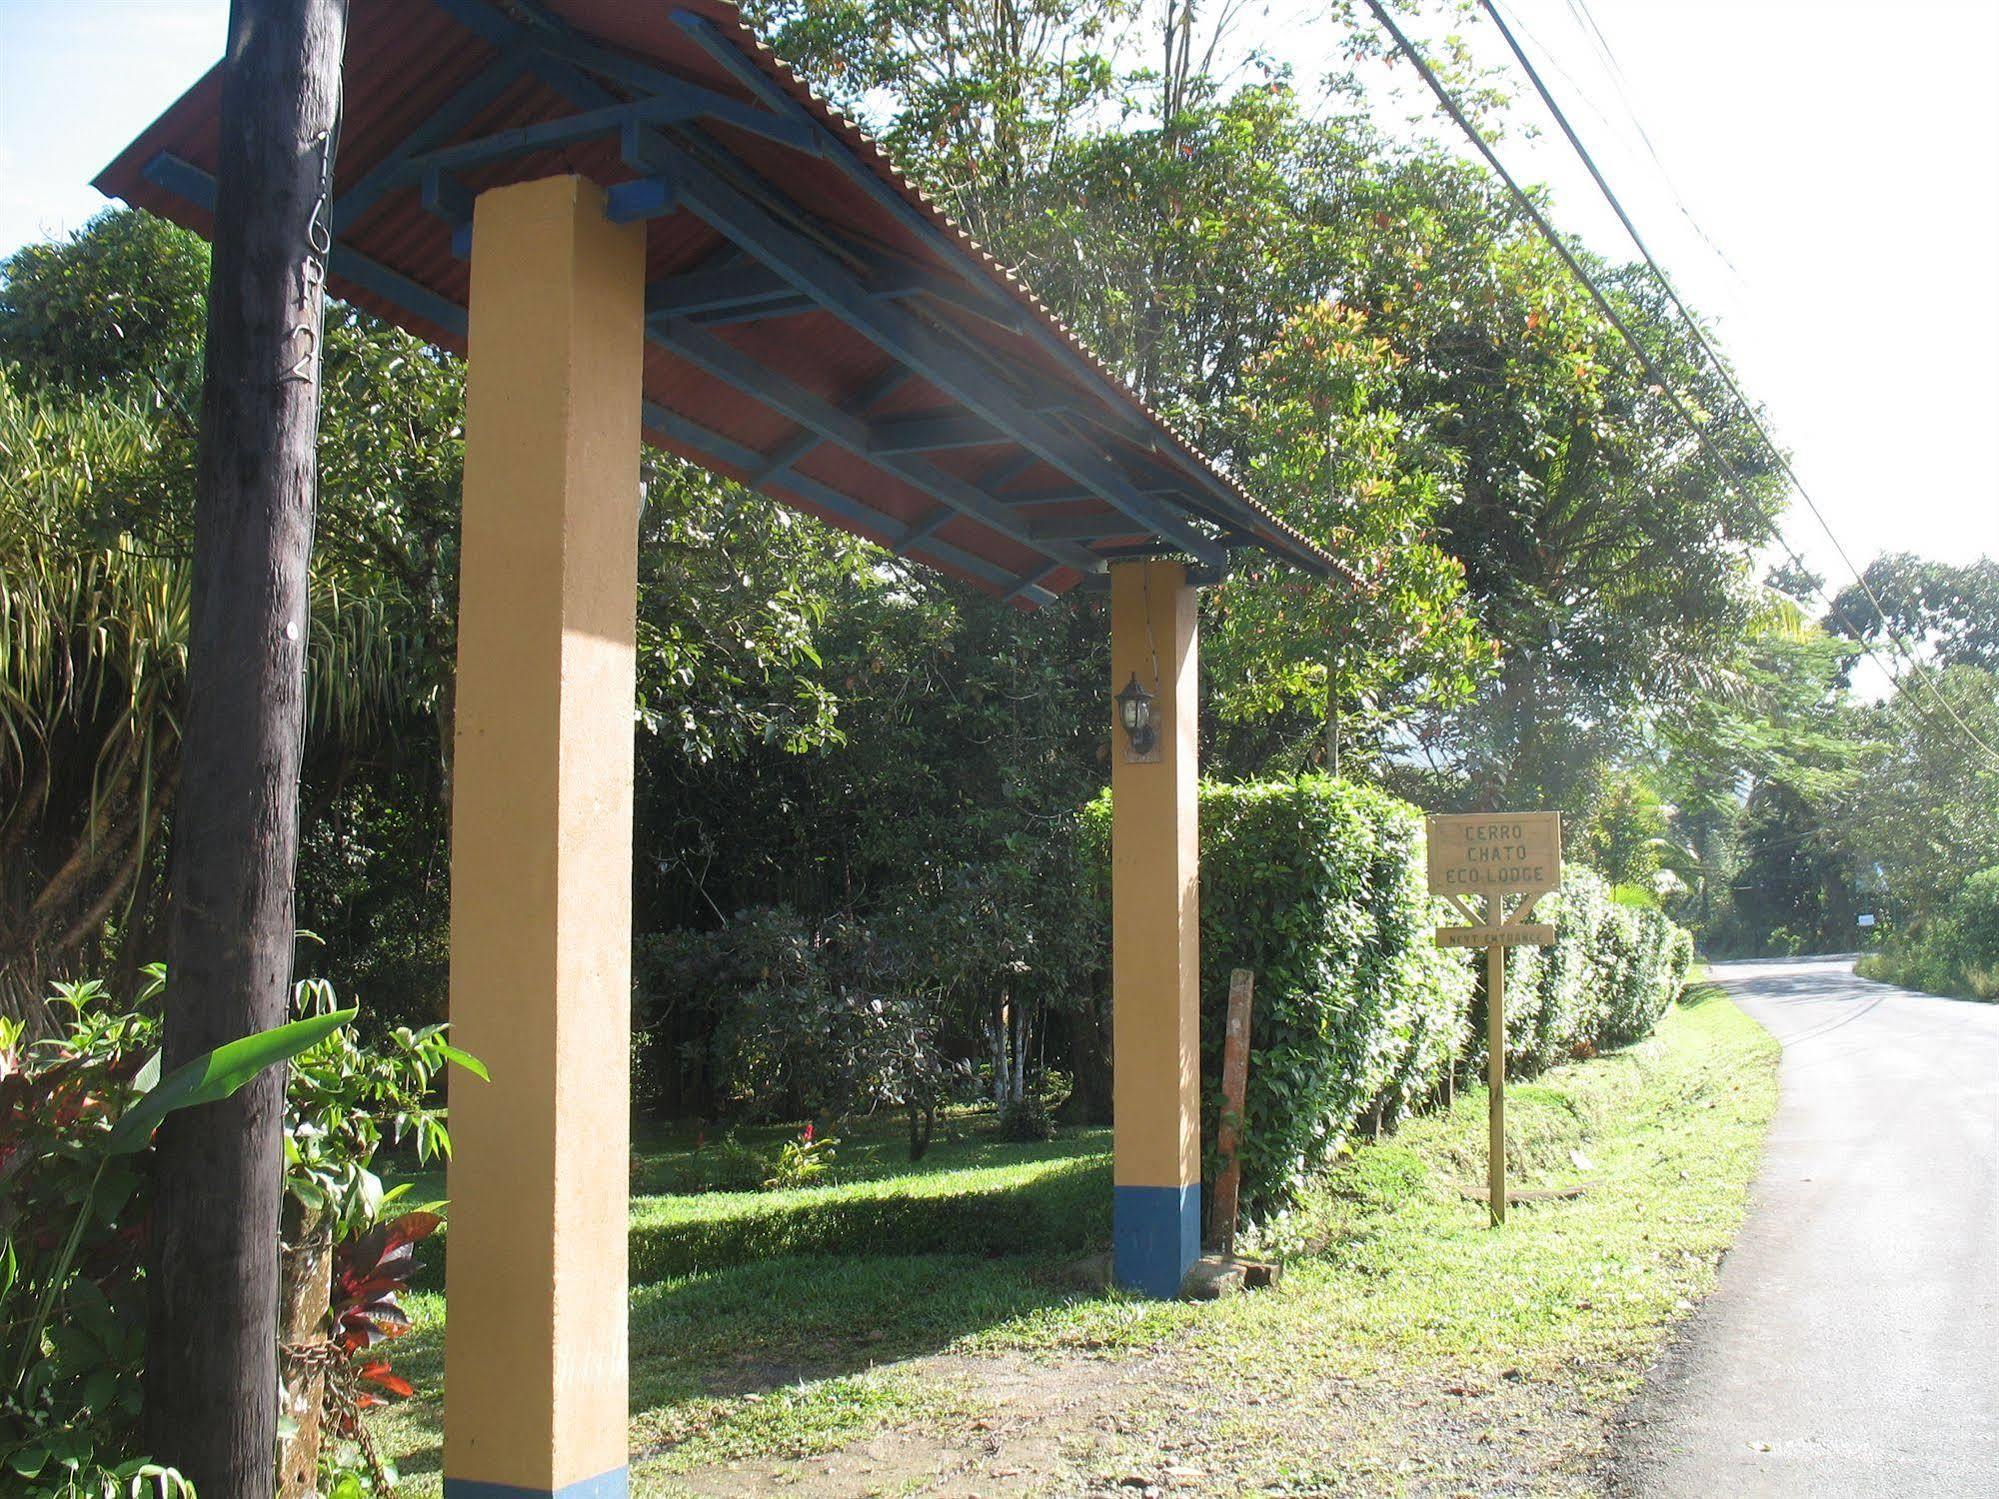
(1498, 856)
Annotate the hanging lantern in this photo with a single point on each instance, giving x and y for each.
(1134, 708)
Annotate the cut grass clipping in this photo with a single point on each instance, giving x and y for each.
(1406, 1343)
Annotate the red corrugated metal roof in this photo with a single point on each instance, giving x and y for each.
(839, 194)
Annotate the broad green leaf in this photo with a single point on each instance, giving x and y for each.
(216, 1075)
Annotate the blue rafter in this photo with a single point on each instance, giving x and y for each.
(934, 432)
(1130, 426)
(1032, 580)
(725, 362)
(641, 198)
(192, 184)
(743, 285)
(453, 115)
(1082, 527)
(718, 449)
(914, 343)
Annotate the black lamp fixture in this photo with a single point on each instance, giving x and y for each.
(1134, 711)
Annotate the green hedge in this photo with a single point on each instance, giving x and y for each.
(1065, 1210)
(1611, 974)
(1318, 886)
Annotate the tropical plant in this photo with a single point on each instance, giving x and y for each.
(370, 1272)
(93, 657)
(801, 1161)
(76, 1112)
(345, 1236)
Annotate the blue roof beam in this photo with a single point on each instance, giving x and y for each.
(902, 539)
(933, 433)
(911, 341)
(460, 110)
(732, 366)
(790, 451)
(641, 198)
(451, 200)
(190, 183)
(1082, 528)
(1131, 426)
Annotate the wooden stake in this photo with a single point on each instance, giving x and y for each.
(1495, 1069)
(1235, 1082)
(211, 1382)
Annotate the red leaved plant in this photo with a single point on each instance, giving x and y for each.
(369, 1272)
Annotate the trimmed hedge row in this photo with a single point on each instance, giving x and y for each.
(1065, 1210)
(1318, 886)
(1611, 974)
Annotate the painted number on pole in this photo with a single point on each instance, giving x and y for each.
(1480, 853)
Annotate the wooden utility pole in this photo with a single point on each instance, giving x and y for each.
(1235, 1089)
(211, 1357)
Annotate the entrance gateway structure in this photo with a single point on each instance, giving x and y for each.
(639, 225)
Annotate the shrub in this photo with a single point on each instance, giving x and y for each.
(1316, 886)
(1026, 1120)
(77, 1115)
(1319, 888)
(1612, 972)
(1063, 1210)
(726, 1165)
(815, 1019)
(800, 1162)
(1955, 953)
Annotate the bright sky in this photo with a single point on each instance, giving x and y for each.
(1843, 155)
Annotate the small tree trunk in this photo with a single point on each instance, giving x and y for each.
(1089, 1102)
(999, 1054)
(305, 1286)
(1020, 1053)
(211, 1352)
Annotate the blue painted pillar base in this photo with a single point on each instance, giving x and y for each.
(1155, 1237)
(616, 1484)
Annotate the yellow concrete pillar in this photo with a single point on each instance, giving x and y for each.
(1155, 934)
(541, 863)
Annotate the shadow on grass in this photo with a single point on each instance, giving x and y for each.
(767, 1325)
(743, 1294)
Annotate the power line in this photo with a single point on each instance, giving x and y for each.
(1620, 82)
(1650, 366)
(1722, 368)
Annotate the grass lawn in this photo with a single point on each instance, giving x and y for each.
(1407, 1349)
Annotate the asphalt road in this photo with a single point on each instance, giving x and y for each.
(1851, 1348)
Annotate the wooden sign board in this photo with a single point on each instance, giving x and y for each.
(1494, 853)
(1526, 934)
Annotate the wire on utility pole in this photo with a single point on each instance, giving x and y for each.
(1651, 368)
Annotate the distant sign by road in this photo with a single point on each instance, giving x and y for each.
(1493, 853)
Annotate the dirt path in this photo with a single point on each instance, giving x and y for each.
(1076, 1425)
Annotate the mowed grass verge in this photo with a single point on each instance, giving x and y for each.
(1401, 1326)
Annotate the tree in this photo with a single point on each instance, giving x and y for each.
(1924, 812)
(211, 1383)
(76, 317)
(93, 664)
(1947, 613)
